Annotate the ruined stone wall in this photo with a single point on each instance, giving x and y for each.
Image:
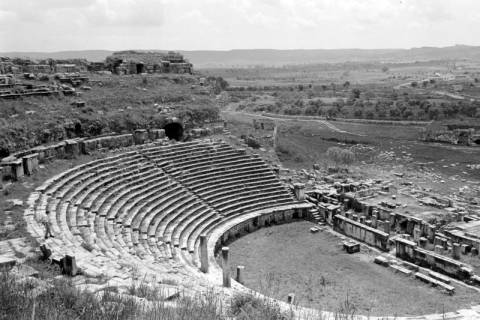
(13, 167)
(451, 136)
(361, 232)
(408, 250)
(266, 220)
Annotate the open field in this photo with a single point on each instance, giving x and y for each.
(403, 91)
(288, 258)
(306, 143)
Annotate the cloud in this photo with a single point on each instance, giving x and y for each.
(218, 24)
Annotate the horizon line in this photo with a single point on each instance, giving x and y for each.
(242, 49)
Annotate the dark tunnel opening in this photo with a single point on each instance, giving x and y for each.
(174, 131)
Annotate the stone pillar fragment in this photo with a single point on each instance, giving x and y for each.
(226, 268)
(69, 265)
(374, 220)
(240, 271)
(30, 163)
(456, 251)
(422, 242)
(72, 148)
(41, 150)
(203, 254)
(299, 189)
(416, 233)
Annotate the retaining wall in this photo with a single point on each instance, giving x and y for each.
(361, 232)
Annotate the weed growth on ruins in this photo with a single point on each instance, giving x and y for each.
(30, 299)
(248, 306)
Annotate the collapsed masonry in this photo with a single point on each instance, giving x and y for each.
(348, 209)
(122, 62)
(453, 134)
(137, 62)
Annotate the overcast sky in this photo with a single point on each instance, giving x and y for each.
(53, 25)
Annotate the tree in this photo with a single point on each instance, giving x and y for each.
(414, 84)
(385, 69)
(340, 156)
(356, 93)
(346, 84)
(334, 87)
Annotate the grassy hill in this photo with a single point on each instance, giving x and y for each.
(113, 104)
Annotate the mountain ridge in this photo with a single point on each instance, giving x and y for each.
(280, 57)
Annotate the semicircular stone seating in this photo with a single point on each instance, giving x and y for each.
(145, 210)
(142, 212)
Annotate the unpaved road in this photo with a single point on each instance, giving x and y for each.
(324, 123)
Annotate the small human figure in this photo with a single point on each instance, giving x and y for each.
(43, 219)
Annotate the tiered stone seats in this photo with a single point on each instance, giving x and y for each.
(148, 207)
(229, 180)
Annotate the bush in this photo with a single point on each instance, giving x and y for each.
(252, 143)
(340, 156)
(248, 306)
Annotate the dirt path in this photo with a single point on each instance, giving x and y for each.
(324, 123)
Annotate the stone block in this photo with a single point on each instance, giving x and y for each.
(30, 163)
(456, 251)
(218, 129)
(46, 252)
(381, 261)
(59, 150)
(351, 246)
(72, 148)
(41, 151)
(7, 263)
(474, 251)
(299, 190)
(140, 136)
(314, 229)
(14, 169)
(422, 242)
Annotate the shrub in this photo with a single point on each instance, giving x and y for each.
(252, 142)
(247, 306)
(340, 156)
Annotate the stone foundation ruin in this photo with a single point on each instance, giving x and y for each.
(462, 134)
(137, 62)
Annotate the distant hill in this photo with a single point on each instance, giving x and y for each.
(271, 57)
(90, 55)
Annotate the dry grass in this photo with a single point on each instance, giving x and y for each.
(24, 300)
